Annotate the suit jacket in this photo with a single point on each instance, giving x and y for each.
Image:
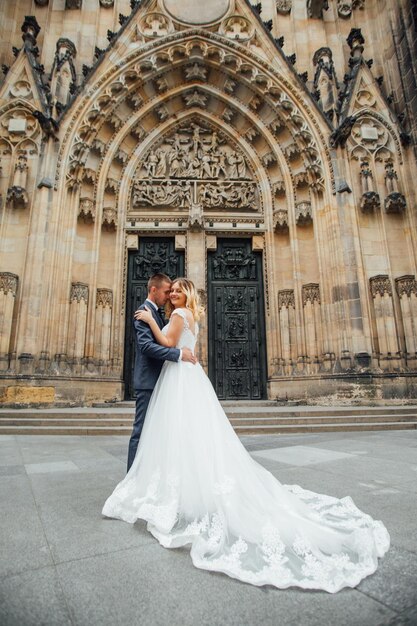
(150, 356)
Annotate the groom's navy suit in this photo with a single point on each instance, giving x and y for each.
(150, 357)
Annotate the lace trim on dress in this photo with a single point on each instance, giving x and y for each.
(182, 313)
(270, 561)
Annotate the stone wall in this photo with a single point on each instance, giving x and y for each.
(292, 128)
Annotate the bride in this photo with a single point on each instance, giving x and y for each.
(194, 483)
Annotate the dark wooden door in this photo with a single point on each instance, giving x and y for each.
(237, 359)
(155, 255)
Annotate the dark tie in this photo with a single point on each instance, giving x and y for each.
(161, 317)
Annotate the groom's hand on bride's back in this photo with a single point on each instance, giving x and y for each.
(187, 355)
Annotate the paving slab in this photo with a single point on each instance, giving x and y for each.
(33, 598)
(61, 562)
(158, 587)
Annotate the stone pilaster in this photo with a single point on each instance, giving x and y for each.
(407, 293)
(8, 290)
(103, 320)
(312, 323)
(287, 323)
(381, 290)
(77, 320)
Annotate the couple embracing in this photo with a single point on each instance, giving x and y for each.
(192, 480)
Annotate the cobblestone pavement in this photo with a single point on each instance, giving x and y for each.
(62, 563)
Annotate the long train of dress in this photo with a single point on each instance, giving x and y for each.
(194, 483)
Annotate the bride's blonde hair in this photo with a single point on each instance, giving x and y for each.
(192, 298)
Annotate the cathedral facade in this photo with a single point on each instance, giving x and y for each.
(265, 150)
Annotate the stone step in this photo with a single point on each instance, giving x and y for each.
(241, 430)
(259, 420)
(246, 418)
(232, 412)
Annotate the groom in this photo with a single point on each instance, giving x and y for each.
(150, 356)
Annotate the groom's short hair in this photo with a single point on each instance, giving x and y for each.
(157, 280)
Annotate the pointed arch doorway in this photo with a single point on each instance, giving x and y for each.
(237, 339)
(155, 255)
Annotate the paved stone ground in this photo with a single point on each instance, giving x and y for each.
(62, 563)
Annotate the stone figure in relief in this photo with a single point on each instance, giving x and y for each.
(195, 161)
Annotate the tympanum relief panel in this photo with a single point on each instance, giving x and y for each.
(195, 165)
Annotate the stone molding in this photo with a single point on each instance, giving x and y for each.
(380, 285)
(8, 283)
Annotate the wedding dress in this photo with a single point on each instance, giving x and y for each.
(194, 483)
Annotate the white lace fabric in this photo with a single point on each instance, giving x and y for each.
(194, 483)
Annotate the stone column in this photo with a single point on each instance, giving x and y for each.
(381, 290)
(104, 306)
(8, 290)
(407, 293)
(312, 322)
(77, 320)
(196, 264)
(287, 323)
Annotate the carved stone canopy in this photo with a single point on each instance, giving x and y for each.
(280, 217)
(284, 6)
(79, 291)
(303, 213)
(8, 283)
(315, 8)
(344, 8)
(406, 285)
(104, 298)
(311, 293)
(370, 202)
(380, 285)
(286, 298)
(195, 164)
(395, 202)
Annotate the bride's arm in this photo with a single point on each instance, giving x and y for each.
(169, 340)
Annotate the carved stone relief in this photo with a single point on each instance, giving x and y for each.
(280, 217)
(284, 6)
(87, 210)
(370, 200)
(109, 219)
(17, 195)
(155, 25)
(369, 133)
(237, 27)
(195, 165)
(303, 213)
(315, 8)
(395, 201)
